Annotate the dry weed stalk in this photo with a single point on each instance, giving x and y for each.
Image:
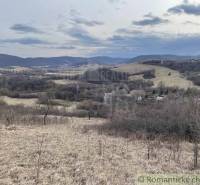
(9, 117)
(196, 154)
(100, 148)
(174, 145)
(149, 148)
(40, 150)
(88, 145)
(127, 142)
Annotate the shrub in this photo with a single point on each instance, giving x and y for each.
(2, 102)
(171, 117)
(95, 108)
(22, 83)
(149, 74)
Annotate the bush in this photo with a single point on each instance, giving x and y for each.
(79, 92)
(2, 102)
(95, 108)
(139, 84)
(195, 79)
(29, 95)
(171, 117)
(22, 83)
(149, 74)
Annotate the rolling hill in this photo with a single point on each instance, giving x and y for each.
(8, 60)
(175, 79)
(175, 58)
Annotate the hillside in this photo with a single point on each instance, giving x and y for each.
(51, 62)
(8, 60)
(161, 75)
(71, 153)
(175, 58)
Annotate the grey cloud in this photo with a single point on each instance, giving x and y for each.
(81, 35)
(150, 20)
(64, 47)
(86, 22)
(192, 23)
(128, 31)
(38, 42)
(23, 28)
(130, 45)
(76, 18)
(25, 41)
(186, 8)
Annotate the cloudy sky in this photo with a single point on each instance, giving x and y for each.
(118, 28)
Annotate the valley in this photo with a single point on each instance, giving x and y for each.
(97, 123)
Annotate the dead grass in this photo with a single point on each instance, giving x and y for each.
(71, 155)
(33, 102)
(65, 82)
(133, 68)
(73, 71)
(19, 101)
(175, 79)
(16, 69)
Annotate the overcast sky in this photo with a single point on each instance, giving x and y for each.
(118, 28)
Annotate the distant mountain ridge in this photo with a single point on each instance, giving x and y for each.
(9, 60)
(176, 58)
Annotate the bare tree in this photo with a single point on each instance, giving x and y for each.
(194, 119)
(46, 112)
(47, 106)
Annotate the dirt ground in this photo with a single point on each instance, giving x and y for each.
(71, 154)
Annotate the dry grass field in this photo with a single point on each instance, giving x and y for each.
(16, 69)
(134, 68)
(65, 82)
(64, 73)
(175, 79)
(71, 154)
(31, 102)
(19, 101)
(74, 70)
